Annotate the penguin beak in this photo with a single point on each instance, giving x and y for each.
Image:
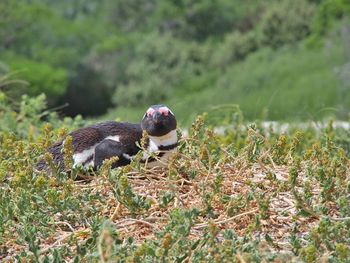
(156, 117)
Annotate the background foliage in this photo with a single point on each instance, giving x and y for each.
(276, 59)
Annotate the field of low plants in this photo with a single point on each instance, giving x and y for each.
(247, 195)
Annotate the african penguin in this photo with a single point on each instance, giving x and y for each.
(96, 143)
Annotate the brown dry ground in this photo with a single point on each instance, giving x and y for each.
(282, 210)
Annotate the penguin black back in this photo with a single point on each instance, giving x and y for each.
(85, 140)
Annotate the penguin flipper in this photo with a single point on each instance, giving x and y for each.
(107, 149)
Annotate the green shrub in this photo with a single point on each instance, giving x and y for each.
(42, 77)
(327, 13)
(203, 20)
(131, 15)
(26, 119)
(236, 47)
(289, 84)
(286, 22)
(164, 63)
(296, 83)
(154, 90)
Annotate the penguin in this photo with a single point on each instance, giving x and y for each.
(96, 143)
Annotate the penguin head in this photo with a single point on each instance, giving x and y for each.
(158, 121)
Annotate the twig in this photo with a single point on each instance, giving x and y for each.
(125, 221)
(65, 223)
(240, 258)
(271, 161)
(338, 218)
(116, 210)
(202, 225)
(55, 244)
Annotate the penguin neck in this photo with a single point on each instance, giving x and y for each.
(167, 140)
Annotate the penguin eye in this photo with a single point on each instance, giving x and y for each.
(150, 112)
(171, 112)
(164, 111)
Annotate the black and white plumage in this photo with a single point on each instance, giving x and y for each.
(96, 143)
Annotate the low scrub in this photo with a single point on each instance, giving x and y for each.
(247, 195)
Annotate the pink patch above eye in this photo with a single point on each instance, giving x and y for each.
(150, 112)
(164, 111)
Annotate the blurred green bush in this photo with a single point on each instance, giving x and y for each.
(129, 54)
(42, 77)
(286, 22)
(328, 12)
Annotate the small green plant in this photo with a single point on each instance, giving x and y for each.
(125, 195)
